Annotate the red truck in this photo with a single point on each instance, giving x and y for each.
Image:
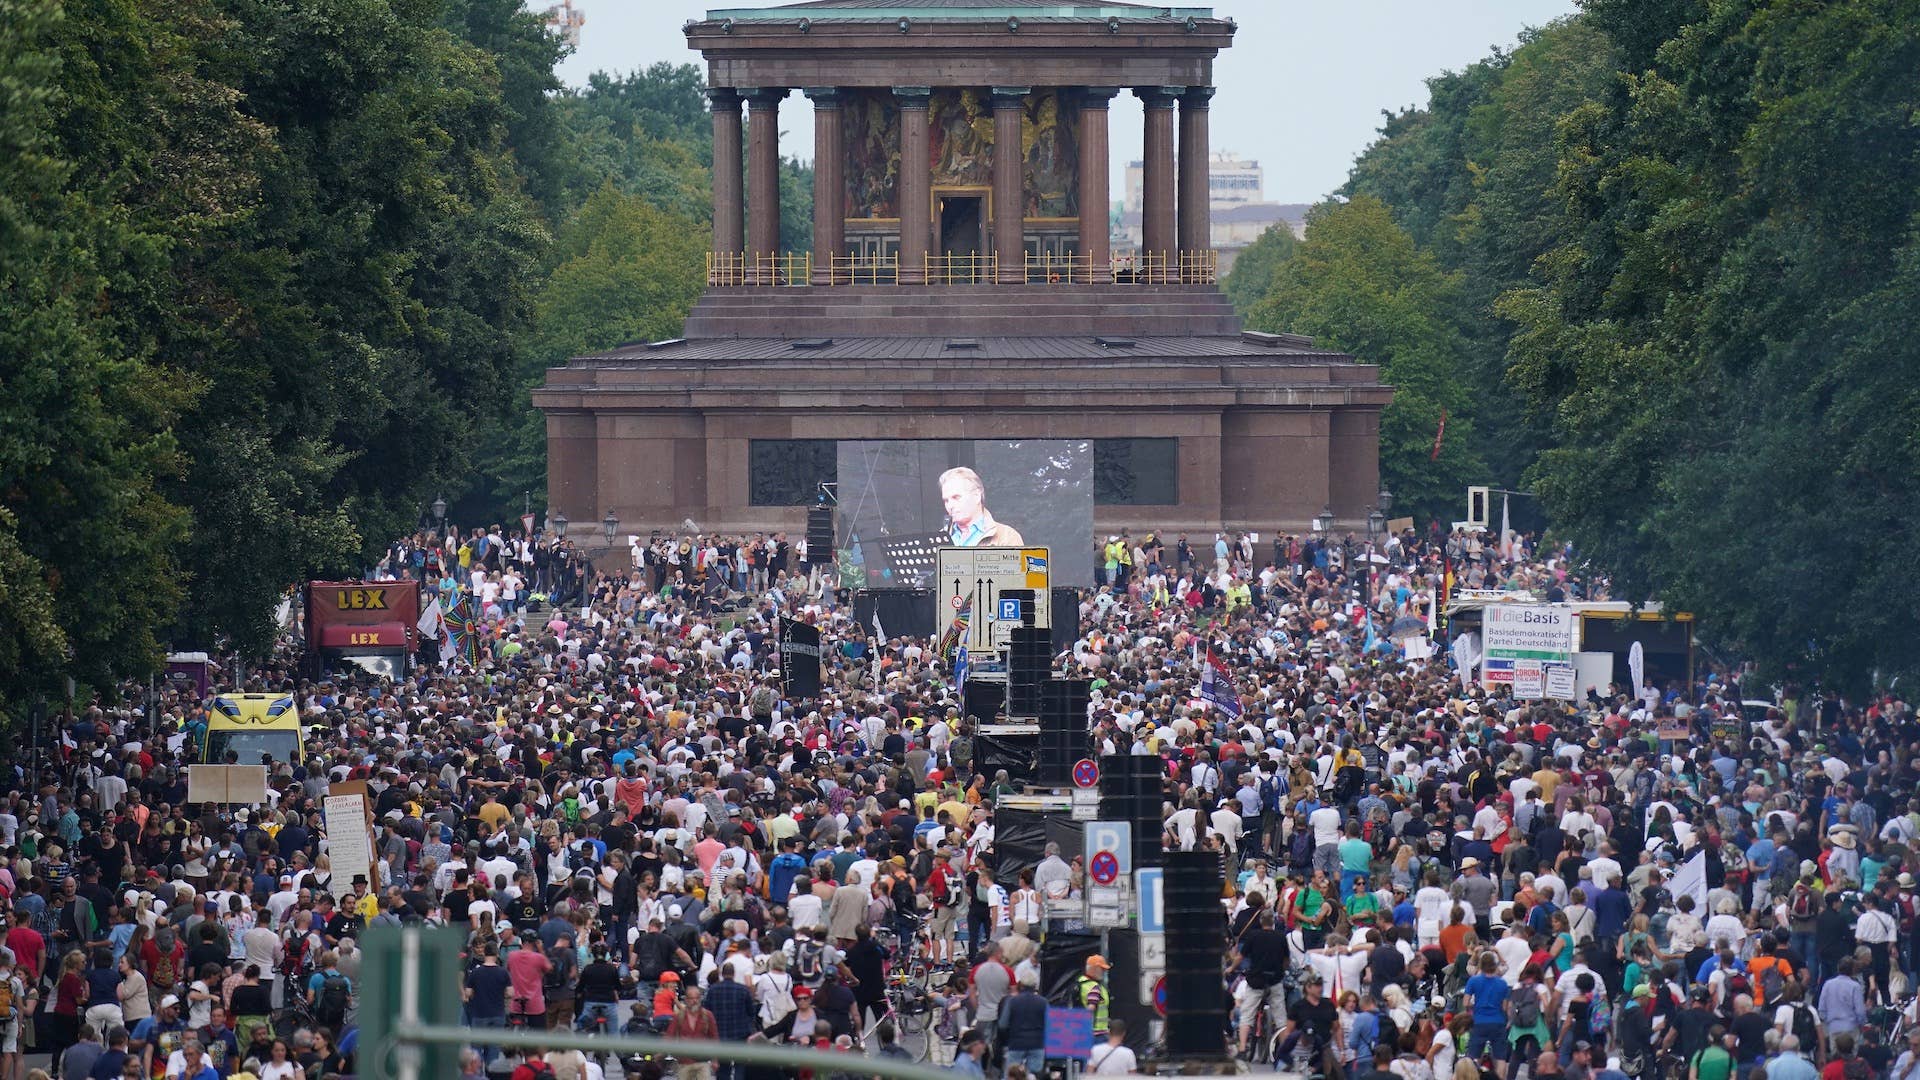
(372, 625)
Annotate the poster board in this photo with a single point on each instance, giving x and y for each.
(244, 785)
(349, 816)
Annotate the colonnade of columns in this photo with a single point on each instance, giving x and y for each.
(1176, 221)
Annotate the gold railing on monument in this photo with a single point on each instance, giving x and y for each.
(1167, 268)
(864, 269)
(1200, 267)
(737, 268)
(1048, 268)
(956, 269)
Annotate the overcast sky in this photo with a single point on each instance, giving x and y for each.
(1301, 91)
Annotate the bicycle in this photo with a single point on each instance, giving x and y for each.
(292, 1017)
(910, 1011)
(520, 1019)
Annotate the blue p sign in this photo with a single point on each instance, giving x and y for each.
(1009, 609)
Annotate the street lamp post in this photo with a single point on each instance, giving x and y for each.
(1323, 521)
(610, 523)
(440, 510)
(1376, 522)
(557, 521)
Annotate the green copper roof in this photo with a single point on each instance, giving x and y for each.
(956, 10)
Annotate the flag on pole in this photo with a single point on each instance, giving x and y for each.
(1440, 435)
(432, 624)
(960, 666)
(1216, 687)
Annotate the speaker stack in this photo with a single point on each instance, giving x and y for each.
(820, 535)
(1063, 729)
(1063, 616)
(1196, 941)
(1029, 658)
(1130, 791)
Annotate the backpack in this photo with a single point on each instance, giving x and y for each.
(536, 1070)
(7, 1009)
(1389, 1033)
(1856, 1068)
(1599, 1019)
(1800, 906)
(1772, 983)
(1540, 919)
(777, 1001)
(1526, 1007)
(1804, 1026)
(807, 966)
(330, 1004)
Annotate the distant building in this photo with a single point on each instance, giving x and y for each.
(1236, 189)
(566, 21)
(1231, 181)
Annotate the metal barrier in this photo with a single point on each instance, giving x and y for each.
(731, 268)
(969, 269)
(1047, 268)
(864, 270)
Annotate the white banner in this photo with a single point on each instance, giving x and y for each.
(1691, 880)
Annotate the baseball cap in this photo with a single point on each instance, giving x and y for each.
(1101, 962)
(169, 1001)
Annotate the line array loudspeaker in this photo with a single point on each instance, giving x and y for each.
(1063, 729)
(820, 534)
(1029, 656)
(1130, 791)
(1196, 941)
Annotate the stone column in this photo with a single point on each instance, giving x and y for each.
(1196, 218)
(729, 209)
(1157, 237)
(915, 191)
(829, 185)
(763, 179)
(1009, 184)
(1094, 166)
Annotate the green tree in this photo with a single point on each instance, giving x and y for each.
(1359, 283)
(1724, 342)
(88, 569)
(1253, 269)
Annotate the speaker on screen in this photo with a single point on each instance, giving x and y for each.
(1196, 942)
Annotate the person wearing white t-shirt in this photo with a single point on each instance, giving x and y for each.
(1325, 823)
(1113, 1058)
(1430, 907)
(1514, 952)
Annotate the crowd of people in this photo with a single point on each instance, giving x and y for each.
(636, 830)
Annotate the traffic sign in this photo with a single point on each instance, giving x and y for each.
(1152, 908)
(1009, 609)
(1085, 773)
(1104, 867)
(1160, 995)
(1086, 804)
(956, 602)
(1113, 837)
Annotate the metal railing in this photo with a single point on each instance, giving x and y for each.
(796, 268)
(952, 268)
(408, 1035)
(738, 268)
(1048, 268)
(864, 270)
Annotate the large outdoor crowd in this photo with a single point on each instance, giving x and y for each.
(635, 830)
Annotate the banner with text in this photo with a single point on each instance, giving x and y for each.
(1523, 643)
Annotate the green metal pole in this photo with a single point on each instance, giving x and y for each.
(746, 1053)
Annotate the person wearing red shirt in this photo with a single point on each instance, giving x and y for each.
(527, 968)
(29, 948)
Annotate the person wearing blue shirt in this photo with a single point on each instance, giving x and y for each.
(783, 869)
(1611, 910)
(1488, 992)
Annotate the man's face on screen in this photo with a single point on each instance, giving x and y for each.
(962, 500)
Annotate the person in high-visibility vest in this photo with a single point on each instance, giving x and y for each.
(1091, 992)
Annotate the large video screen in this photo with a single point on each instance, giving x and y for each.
(901, 499)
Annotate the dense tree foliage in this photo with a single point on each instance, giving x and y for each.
(1668, 259)
(276, 274)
